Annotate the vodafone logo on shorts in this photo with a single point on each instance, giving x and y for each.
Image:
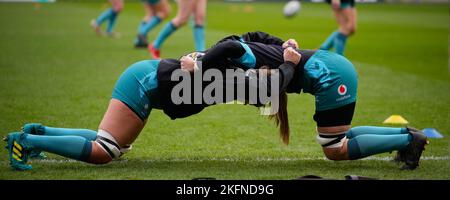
(342, 89)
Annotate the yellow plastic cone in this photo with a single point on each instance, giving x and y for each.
(395, 119)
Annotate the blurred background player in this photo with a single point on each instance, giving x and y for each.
(109, 15)
(186, 8)
(345, 13)
(155, 12)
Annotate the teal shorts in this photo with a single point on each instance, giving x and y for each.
(137, 87)
(331, 78)
(151, 2)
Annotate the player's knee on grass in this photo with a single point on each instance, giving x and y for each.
(336, 154)
(98, 155)
(334, 145)
(106, 148)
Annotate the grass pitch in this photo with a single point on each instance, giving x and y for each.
(56, 71)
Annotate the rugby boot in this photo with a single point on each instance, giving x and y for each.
(18, 151)
(412, 153)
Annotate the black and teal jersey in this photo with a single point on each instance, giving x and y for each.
(328, 76)
(253, 50)
(331, 78)
(166, 84)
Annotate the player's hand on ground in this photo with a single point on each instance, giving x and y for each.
(291, 55)
(187, 64)
(290, 43)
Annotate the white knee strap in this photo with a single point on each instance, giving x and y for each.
(126, 149)
(331, 140)
(107, 142)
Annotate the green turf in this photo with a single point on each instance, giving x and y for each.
(54, 70)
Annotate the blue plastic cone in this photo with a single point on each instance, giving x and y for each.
(432, 133)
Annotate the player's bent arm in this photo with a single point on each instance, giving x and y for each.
(262, 37)
(217, 56)
(283, 75)
(287, 70)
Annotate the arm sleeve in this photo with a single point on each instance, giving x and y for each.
(287, 70)
(284, 75)
(217, 56)
(262, 37)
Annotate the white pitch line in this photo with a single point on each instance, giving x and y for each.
(261, 159)
(422, 158)
(387, 158)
